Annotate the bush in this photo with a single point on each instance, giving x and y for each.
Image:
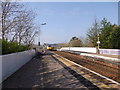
(12, 47)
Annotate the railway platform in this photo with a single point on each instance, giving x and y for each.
(115, 58)
(44, 72)
(103, 56)
(54, 71)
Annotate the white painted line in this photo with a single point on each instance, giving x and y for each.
(90, 70)
(104, 57)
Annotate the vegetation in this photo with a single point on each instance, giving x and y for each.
(92, 33)
(17, 23)
(12, 47)
(85, 42)
(75, 42)
(17, 26)
(109, 34)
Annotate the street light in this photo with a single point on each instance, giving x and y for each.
(98, 42)
(39, 34)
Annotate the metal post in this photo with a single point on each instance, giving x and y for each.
(39, 34)
(98, 42)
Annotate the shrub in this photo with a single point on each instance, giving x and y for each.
(12, 47)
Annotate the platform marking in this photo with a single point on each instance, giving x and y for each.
(101, 85)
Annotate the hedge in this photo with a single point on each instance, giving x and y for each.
(12, 47)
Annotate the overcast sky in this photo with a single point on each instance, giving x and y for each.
(67, 19)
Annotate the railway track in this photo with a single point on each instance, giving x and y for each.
(106, 69)
(95, 58)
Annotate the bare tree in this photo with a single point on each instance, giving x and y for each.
(17, 23)
(9, 14)
(86, 42)
(92, 33)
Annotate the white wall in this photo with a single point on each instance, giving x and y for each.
(81, 49)
(110, 51)
(92, 50)
(0, 71)
(12, 62)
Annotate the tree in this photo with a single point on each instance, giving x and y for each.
(9, 15)
(92, 34)
(105, 36)
(115, 37)
(17, 23)
(75, 42)
(109, 34)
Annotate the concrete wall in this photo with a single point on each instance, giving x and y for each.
(110, 51)
(0, 71)
(12, 62)
(92, 50)
(81, 49)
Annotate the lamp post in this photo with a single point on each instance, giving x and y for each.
(39, 34)
(98, 42)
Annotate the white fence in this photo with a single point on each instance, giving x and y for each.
(110, 51)
(12, 62)
(81, 49)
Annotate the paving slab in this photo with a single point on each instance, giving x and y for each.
(44, 72)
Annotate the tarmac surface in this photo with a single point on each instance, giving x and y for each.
(43, 72)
